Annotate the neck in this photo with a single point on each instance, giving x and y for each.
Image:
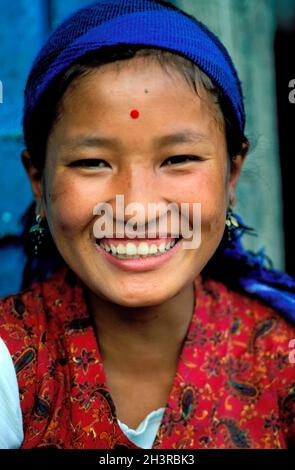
(147, 338)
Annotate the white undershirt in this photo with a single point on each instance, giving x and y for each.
(11, 424)
(144, 435)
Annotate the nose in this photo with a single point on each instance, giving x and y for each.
(137, 194)
(138, 185)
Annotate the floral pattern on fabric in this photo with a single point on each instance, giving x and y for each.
(234, 386)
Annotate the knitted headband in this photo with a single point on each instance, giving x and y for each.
(134, 22)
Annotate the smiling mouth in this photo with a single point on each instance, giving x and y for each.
(135, 249)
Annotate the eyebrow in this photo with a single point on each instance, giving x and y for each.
(183, 137)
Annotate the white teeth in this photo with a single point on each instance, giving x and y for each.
(113, 248)
(153, 249)
(105, 247)
(132, 250)
(143, 249)
(121, 250)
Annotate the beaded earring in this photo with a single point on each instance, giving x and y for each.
(231, 223)
(37, 234)
(235, 228)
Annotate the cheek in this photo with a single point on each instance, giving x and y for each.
(213, 219)
(208, 188)
(70, 204)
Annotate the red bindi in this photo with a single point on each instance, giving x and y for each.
(134, 113)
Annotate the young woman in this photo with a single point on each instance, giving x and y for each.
(150, 341)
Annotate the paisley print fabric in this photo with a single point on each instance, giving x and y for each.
(234, 386)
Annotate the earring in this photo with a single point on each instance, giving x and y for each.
(231, 223)
(236, 227)
(37, 235)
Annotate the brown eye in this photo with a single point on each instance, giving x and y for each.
(179, 159)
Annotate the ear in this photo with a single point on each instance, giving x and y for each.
(235, 172)
(35, 178)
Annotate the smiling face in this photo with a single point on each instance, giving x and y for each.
(98, 150)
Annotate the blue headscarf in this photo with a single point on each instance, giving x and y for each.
(158, 24)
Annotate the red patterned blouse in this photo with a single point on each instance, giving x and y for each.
(234, 386)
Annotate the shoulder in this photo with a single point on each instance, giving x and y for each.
(250, 320)
(30, 326)
(243, 305)
(263, 318)
(24, 316)
(260, 349)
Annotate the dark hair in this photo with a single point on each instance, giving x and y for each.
(38, 125)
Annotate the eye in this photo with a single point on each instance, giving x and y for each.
(179, 159)
(90, 163)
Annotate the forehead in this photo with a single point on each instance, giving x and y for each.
(106, 95)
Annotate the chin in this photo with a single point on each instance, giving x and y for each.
(134, 299)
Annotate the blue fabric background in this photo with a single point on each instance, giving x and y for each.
(24, 26)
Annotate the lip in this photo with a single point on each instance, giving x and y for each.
(139, 264)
